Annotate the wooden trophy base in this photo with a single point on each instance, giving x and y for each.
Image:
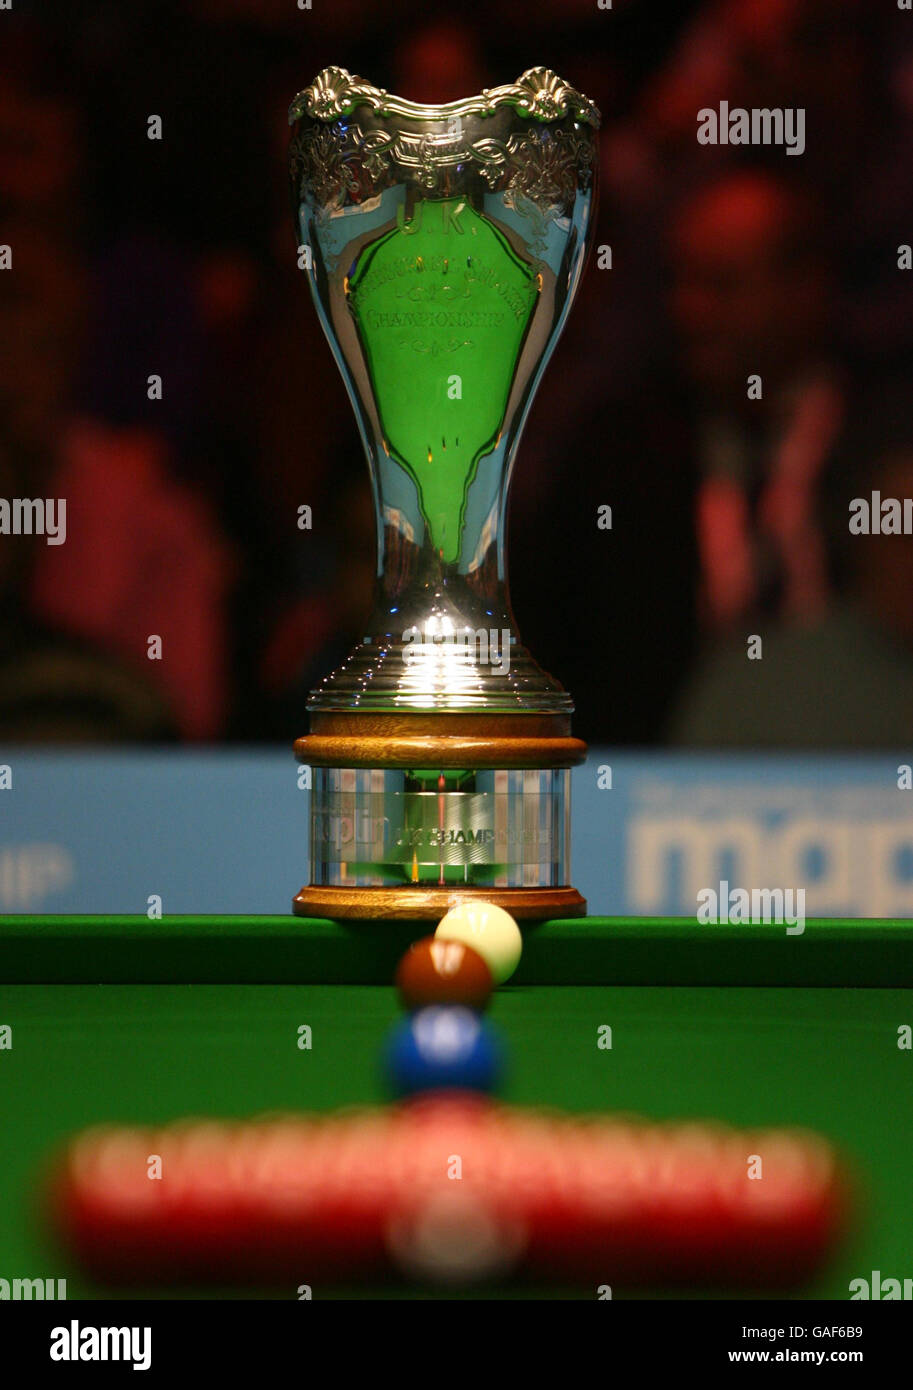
(402, 904)
(503, 741)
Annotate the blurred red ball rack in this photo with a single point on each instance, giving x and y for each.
(450, 1190)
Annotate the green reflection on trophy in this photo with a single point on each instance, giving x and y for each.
(442, 305)
(445, 246)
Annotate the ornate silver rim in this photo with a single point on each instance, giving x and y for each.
(539, 95)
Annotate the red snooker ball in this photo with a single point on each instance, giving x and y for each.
(443, 972)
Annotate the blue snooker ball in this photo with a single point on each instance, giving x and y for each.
(444, 1047)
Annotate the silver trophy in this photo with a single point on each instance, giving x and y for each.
(444, 246)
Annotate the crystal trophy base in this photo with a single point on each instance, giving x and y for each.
(412, 815)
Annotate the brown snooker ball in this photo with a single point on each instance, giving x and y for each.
(434, 971)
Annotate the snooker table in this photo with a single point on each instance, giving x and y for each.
(137, 1021)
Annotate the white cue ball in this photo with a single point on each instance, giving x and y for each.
(452, 1237)
(489, 930)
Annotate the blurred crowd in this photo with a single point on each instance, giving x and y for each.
(175, 258)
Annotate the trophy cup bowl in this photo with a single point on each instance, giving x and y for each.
(443, 246)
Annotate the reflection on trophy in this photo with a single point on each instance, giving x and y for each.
(444, 247)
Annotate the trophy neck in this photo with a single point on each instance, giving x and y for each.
(442, 635)
(445, 245)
